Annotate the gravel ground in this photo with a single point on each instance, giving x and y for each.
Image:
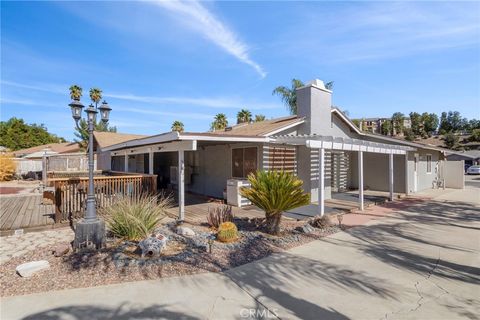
(101, 268)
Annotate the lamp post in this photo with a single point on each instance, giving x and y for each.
(90, 231)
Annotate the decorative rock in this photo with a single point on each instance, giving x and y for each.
(61, 250)
(153, 246)
(28, 269)
(185, 231)
(306, 228)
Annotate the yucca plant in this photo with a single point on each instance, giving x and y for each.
(275, 192)
(135, 218)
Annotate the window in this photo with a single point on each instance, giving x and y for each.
(244, 161)
(429, 163)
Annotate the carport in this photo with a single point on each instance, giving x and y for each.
(320, 144)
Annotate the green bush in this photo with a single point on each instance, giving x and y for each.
(275, 192)
(135, 218)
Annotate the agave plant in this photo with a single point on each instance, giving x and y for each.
(135, 218)
(275, 192)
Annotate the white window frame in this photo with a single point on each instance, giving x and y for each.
(429, 163)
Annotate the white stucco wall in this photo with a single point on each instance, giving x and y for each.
(424, 178)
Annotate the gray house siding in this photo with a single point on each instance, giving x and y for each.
(424, 178)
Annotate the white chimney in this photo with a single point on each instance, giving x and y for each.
(314, 102)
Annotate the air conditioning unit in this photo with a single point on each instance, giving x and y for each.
(233, 192)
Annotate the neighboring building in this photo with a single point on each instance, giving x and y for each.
(374, 125)
(470, 157)
(51, 148)
(103, 140)
(320, 139)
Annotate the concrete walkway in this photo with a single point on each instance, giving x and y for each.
(421, 261)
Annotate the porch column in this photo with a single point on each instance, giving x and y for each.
(126, 162)
(321, 182)
(390, 175)
(360, 179)
(150, 161)
(181, 186)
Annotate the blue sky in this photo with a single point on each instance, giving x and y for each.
(163, 61)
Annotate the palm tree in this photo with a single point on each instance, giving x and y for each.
(275, 192)
(259, 117)
(95, 95)
(75, 92)
(329, 85)
(177, 126)
(244, 116)
(289, 95)
(220, 122)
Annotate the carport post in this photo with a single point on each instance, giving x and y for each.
(150, 161)
(181, 186)
(126, 162)
(390, 175)
(360, 179)
(321, 182)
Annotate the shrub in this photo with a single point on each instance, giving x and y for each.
(227, 232)
(7, 168)
(218, 215)
(135, 218)
(321, 222)
(275, 192)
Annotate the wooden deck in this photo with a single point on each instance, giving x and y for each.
(196, 210)
(24, 211)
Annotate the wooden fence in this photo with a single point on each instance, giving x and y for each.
(71, 193)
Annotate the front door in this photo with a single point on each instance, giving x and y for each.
(415, 172)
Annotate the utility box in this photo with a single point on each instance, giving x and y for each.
(233, 192)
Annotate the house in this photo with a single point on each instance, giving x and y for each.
(374, 125)
(470, 157)
(51, 148)
(321, 145)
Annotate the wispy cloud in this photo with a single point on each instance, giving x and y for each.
(201, 20)
(386, 30)
(209, 102)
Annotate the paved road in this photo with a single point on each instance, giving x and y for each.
(472, 181)
(421, 262)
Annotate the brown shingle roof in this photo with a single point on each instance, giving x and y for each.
(258, 128)
(64, 147)
(106, 139)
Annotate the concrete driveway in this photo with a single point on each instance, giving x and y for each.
(420, 262)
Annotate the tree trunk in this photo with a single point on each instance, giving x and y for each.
(273, 223)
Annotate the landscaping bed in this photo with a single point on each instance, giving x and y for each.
(121, 260)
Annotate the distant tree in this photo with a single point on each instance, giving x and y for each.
(386, 128)
(178, 126)
(75, 92)
(475, 137)
(473, 124)
(81, 133)
(329, 85)
(259, 117)
(444, 124)
(430, 123)
(289, 95)
(15, 134)
(244, 116)
(455, 120)
(451, 140)
(409, 135)
(397, 122)
(357, 123)
(220, 122)
(95, 95)
(416, 123)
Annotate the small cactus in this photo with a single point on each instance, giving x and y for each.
(227, 232)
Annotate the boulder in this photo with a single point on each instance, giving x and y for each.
(30, 268)
(153, 246)
(61, 250)
(185, 231)
(306, 228)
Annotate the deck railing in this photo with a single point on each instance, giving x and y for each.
(71, 193)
